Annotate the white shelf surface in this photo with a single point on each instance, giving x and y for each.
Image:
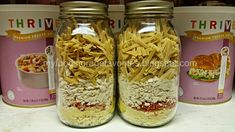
(189, 118)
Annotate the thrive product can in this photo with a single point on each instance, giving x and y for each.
(207, 67)
(116, 15)
(25, 32)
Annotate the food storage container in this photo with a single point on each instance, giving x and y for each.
(207, 37)
(148, 59)
(84, 71)
(25, 32)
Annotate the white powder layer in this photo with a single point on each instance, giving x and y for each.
(87, 94)
(151, 91)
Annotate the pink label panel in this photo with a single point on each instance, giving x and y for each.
(20, 87)
(201, 91)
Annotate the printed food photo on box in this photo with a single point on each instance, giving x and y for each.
(207, 67)
(208, 52)
(32, 70)
(26, 31)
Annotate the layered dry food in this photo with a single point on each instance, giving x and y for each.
(33, 63)
(148, 74)
(207, 67)
(85, 75)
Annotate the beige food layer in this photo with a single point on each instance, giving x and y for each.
(85, 56)
(147, 119)
(144, 55)
(90, 117)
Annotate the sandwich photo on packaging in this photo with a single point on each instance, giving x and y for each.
(207, 67)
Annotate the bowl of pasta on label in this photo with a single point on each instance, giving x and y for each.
(32, 70)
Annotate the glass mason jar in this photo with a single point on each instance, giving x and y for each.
(148, 59)
(84, 72)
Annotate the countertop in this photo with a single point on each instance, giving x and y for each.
(189, 118)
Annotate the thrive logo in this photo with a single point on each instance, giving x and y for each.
(43, 29)
(46, 23)
(225, 25)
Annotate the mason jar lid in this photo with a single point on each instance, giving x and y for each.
(147, 8)
(76, 8)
